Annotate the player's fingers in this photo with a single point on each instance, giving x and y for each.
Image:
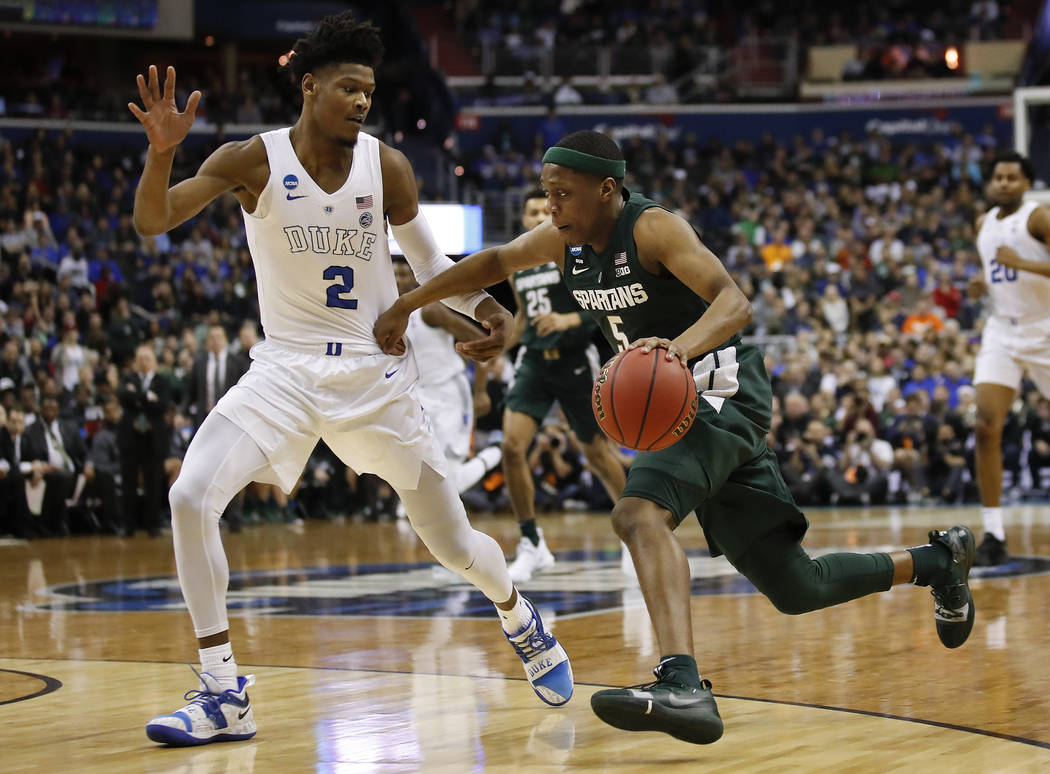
(191, 104)
(144, 94)
(169, 83)
(137, 111)
(154, 83)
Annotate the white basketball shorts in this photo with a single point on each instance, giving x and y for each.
(1009, 350)
(450, 408)
(365, 407)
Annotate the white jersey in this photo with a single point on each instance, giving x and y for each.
(435, 351)
(322, 264)
(1017, 295)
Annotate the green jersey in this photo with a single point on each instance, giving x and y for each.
(722, 469)
(626, 301)
(629, 303)
(541, 290)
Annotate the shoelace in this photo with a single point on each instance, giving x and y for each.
(531, 645)
(207, 701)
(705, 684)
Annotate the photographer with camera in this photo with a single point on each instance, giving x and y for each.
(862, 476)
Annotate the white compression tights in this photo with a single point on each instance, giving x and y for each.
(223, 459)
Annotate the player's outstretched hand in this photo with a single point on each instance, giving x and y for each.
(655, 342)
(165, 126)
(499, 325)
(389, 330)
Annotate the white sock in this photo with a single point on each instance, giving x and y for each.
(993, 522)
(477, 467)
(517, 618)
(218, 661)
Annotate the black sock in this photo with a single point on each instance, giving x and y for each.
(930, 561)
(681, 669)
(528, 529)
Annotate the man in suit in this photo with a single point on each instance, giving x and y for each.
(57, 453)
(145, 397)
(102, 470)
(13, 506)
(215, 370)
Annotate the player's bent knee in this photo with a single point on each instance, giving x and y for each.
(790, 601)
(185, 498)
(630, 516)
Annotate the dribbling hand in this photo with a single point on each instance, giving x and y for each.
(653, 342)
(165, 126)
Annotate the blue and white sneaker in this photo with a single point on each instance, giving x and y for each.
(212, 715)
(546, 663)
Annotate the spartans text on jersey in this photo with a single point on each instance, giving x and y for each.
(613, 298)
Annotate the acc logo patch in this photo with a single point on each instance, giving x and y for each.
(365, 220)
(291, 182)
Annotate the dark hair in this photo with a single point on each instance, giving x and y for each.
(594, 144)
(535, 193)
(1013, 157)
(335, 40)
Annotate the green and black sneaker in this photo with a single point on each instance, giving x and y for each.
(953, 609)
(684, 712)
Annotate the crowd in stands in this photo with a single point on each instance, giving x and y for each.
(895, 39)
(858, 254)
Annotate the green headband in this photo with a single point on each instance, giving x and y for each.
(585, 162)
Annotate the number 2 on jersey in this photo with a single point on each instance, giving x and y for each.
(335, 292)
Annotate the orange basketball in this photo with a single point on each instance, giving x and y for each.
(644, 401)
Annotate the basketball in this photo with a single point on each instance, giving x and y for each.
(644, 401)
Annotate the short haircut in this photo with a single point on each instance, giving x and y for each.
(535, 193)
(593, 144)
(336, 39)
(1013, 157)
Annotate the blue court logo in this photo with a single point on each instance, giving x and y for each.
(582, 583)
(291, 182)
(365, 220)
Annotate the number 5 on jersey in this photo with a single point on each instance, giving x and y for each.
(336, 291)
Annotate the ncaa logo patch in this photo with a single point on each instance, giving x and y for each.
(365, 220)
(291, 182)
(576, 250)
(328, 209)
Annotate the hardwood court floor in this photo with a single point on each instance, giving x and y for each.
(368, 661)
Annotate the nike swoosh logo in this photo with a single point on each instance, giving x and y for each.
(240, 715)
(293, 198)
(388, 374)
(579, 370)
(578, 270)
(227, 658)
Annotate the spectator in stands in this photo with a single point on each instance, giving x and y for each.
(102, 470)
(57, 455)
(145, 397)
(14, 510)
(922, 319)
